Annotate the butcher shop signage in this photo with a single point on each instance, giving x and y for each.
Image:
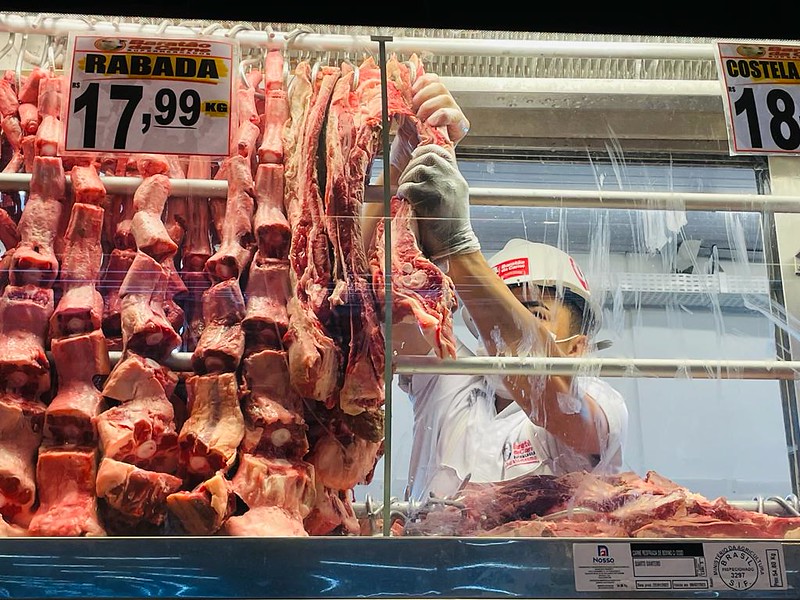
(761, 93)
(160, 95)
(684, 566)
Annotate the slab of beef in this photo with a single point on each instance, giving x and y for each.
(332, 514)
(221, 344)
(314, 358)
(69, 419)
(536, 528)
(135, 492)
(266, 521)
(237, 245)
(8, 231)
(195, 253)
(34, 260)
(421, 292)
(197, 283)
(21, 423)
(67, 503)
(140, 432)
(344, 461)
(204, 510)
(276, 113)
(148, 229)
(119, 261)
(262, 481)
(80, 309)
(135, 377)
(87, 187)
(215, 426)
(351, 144)
(24, 314)
(146, 330)
(699, 526)
(269, 223)
(197, 245)
(175, 219)
(266, 319)
(273, 412)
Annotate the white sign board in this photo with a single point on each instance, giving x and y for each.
(150, 95)
(686, 566)
(762, 96)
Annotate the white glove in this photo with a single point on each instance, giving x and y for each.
(440, 197)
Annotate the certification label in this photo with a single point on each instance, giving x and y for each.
(630, 567)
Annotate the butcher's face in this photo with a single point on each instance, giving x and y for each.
(545, 306)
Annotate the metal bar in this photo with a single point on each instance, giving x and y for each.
(466, 46)
(387, 288)
(602, 367)
(365, 510)
(481, 196)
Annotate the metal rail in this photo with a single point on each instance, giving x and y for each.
(57, 25)
(482, 196)
(601, 367)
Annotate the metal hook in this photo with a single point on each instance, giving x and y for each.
(233, 31)
(211, 29)
(12, 38)
(162, 27)
(20, 56)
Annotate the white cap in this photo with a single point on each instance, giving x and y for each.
(521, 261)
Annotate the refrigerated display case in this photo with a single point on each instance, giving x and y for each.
(614, 148)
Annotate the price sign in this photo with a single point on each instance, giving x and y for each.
(762, 97)
(159, 95)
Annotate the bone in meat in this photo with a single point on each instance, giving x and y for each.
(222, 343)
(266, 319)
(80, 309)
(21, 423)
(35, 260)
(269, 223)
(148, 229)
(135, 492)
(69, 417)
(237, 245)
(205, 509)
(276, 113)
(262, 481)
(67, 502)
(273, 412)
(24, 314)
(145, 328)
(214, 429)
(140, 432)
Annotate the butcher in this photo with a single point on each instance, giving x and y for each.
(529, 299)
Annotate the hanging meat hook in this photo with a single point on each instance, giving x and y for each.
(12, 38)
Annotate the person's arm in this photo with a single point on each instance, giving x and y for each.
(440, 196)
(508, 328)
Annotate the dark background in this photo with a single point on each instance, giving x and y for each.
(648, 17)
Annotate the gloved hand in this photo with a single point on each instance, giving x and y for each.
(440, 197)
(432, 102)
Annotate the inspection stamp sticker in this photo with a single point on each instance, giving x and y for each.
(648, 566)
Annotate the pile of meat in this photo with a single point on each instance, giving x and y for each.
(585, 505)
(272, 291)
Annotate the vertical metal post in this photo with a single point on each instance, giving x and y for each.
(781, 250)
(387, 271)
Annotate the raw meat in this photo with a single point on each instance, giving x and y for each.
(206, 508)
(67, 502)
(221, 344)
(215, 427)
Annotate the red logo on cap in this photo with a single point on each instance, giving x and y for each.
(516, 267)
(579, 274)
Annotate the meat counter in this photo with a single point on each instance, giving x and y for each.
(187, 305)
